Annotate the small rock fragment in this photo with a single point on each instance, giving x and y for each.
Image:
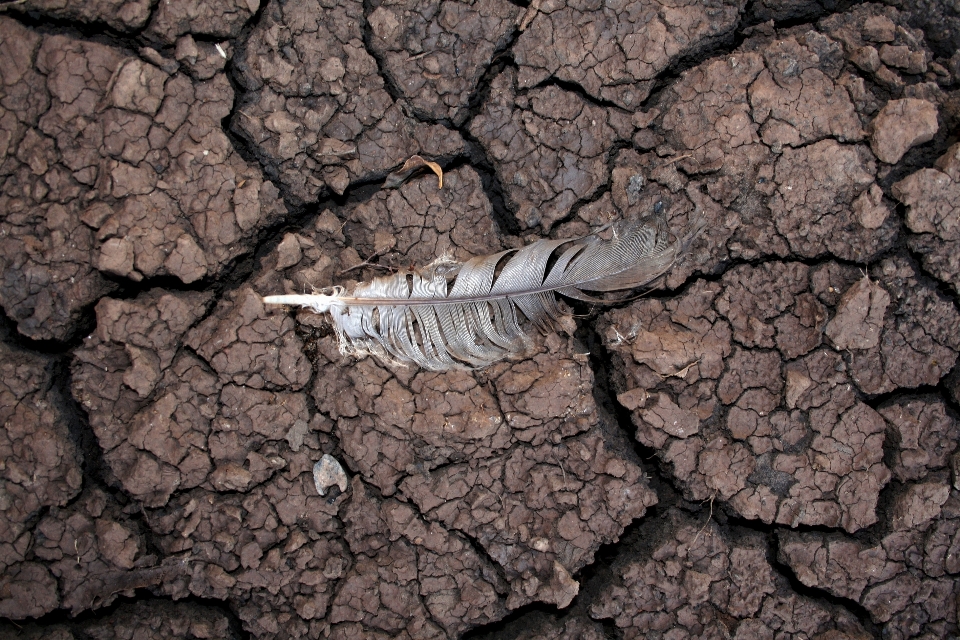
(902, 57)
(866, 58)
(669, 417)
(869, 207)
(859, 318)
(879, 29)
(288, 252)
(932, 196)
(900, 125)
(327, 473)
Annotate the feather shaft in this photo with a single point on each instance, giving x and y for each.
(451, 315)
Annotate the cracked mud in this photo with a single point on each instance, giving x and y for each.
(765, 446)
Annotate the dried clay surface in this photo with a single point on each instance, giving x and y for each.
(766, 445)
(114, 167)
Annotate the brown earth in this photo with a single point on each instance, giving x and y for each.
(766, 446)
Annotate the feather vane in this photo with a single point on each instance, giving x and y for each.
(451, 315)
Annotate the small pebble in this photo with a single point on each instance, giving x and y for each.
(327, 473)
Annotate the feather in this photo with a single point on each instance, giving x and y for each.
(451, 315)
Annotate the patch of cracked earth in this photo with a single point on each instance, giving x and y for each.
(765, 446)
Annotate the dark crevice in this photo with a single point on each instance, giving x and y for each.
(232, 72)
(500, 60)
(92, 463)
(503, 212)
(95, 31)
(880, 400)
(818, 595)
(520, 621)
(602, 362)
(576, 88)
(771, 534)
(85, 324)
(388, 82)
(121, 605)
(886, 503)
(58, 363)
(720, 45)
(801, 13)
(732, 41)
(482, 553)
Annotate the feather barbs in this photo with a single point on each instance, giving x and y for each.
(467, 315)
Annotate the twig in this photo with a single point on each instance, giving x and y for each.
(709, 518)
(420, 55)
(680, 373)
(367, 263)
(678, 159)
(562, 470)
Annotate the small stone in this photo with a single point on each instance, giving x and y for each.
(672, 419)
(879, 29)
(633, 398)
(889, 79)
(869, 207)
(914, 62)
(187, 260)
(900, 125)
(187, 49)
(116, 257)
(797, 383)
(859, 318)
(288, 252)
(866, 58)
(327, 473)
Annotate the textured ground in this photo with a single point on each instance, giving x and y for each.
(764, 447)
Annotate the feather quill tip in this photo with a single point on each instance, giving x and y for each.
(318, 302)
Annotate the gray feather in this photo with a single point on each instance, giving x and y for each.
(451, 315)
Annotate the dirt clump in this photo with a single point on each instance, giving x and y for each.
(435, 54)
(915, 351)
(41, 469)
(699, 581)
(324, 120)
(738, 393)
(930, 197)
(550, 146)
(904, 580)
(149, 620)
(902, 124)
(123, 15)
(91, 131)
(615, 52)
